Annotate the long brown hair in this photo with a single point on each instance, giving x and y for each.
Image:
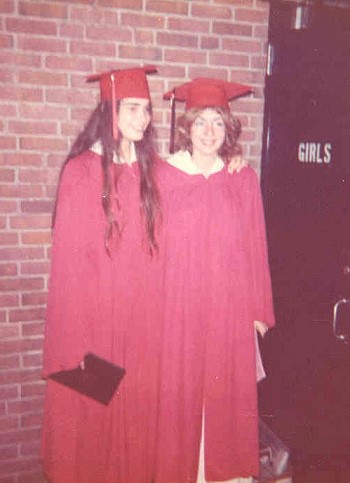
(233, 129)
(98, 127)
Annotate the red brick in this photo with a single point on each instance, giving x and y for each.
(7, 453)
(8, 239)
(6, 41)
(36, 237)
(20, 159)
(9, 332)
(24, 406)
(10, 362)
(43, 144)
(260, 31)
(228, 59)
(139, 20)
(7, 142)
(210, 11)
(7, 6)
(31, 420)
(25, 25)
(69, 96)
(92, 15)
(7, 423)
(33, 329)
(9, 300)
(8, 479)
(36, 207)
(34, 476)
(189, 25)
(247, 45)
(202, 71)
(40, 44)
(136, 4)
(30, 221)
(209, 43)
(20, 93)
(7, 206)
(172, 71)
(39, 111)
(179, 7)
(43, 9)
(69, 63)
(42, 78)
(92, 48)
(140, 52)
(19, 465)
(33, 360)
(33, 389)
(112, 34)
(7, 174)
(35, 267)
(252, 15)
(258, 62)
(225, 28)
(144, 37)
(22, 127)
(248, 3)
(19, 376)
(8, 393)
(3, 314)
(20, 59)
(3, 222)
(185, 56)
(11, 284)
(71, 31)
(30, 449)
(21, 315)
(35, 298)
(180, 40)
(7, 110)
(20, 191)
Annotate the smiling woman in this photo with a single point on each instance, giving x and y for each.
(102, 293)
(217, 291)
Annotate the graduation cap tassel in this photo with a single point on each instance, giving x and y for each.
(114, 112)
(172, 124)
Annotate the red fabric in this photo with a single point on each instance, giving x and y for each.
(216, 282)
(180, 323)
(107, 306)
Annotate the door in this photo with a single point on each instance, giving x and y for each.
(306, 190)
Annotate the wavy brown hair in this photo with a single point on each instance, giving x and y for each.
(98, 127)
(233, 129)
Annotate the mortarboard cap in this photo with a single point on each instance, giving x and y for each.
(98, 379)
(207, 92)
(119, 84)
(204, 92)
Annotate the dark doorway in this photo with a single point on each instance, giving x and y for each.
(306, 190)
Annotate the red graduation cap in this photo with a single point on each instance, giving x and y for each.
(119, 84)
(204, 92)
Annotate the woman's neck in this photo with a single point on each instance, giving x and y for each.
(204, 163)
(125, 150)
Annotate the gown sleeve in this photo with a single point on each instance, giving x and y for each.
(261, 280)
(71, 297)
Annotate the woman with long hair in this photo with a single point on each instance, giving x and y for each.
(217, 293)
(102, 294)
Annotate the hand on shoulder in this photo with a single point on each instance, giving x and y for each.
(237, 163)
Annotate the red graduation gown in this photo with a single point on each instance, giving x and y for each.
(107, 306)
(215, 284)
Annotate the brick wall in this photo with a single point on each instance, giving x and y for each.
(47, 49)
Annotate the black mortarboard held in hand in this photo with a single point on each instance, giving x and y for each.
(96, 378)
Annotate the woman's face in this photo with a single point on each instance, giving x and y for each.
(207, 133)
(133, 118)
